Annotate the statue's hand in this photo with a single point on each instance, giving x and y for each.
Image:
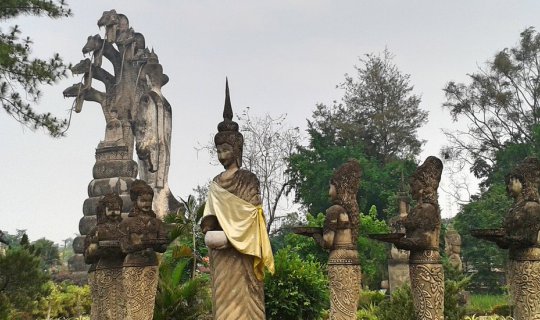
(92, 249)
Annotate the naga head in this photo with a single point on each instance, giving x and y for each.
(93, 43)
(82, 67)
(108, 18)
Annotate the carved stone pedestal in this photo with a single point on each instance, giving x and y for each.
(524, 280)
(344, 277)
(113, 172)
(427, 284)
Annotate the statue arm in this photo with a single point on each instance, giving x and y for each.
(91, 252)
(330, 226)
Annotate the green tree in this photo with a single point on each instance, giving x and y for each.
(47, 251)
(21, 75)
(500, 104)
(22, 282)
(373, 254)
(379, 111)
(484, 257)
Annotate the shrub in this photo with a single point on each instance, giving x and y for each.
(297, 290)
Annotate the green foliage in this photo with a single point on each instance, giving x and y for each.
(399, 306)
(181, 295)
(65, 301)
(499, 103)
(455, 284)
(22, 282)
(298, 290)
(22, 76)
(48, 253)
(484, 257)
(378, 112)
(183, 292)
(486, 303)
(373, 254)
(312, 167)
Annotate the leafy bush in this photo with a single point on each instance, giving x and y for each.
(297, 290)
(65, 301)
(399, 306)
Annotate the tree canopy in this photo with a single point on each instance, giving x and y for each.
(22, 75)
(500, 104)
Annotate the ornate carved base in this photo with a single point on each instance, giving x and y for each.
(108, 298)
(344, 290)
(524, 280)
(427, 284)
(93, 293)
(140, 285)
(236, 292)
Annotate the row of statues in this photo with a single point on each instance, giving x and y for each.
(123, 275)
(122, 233)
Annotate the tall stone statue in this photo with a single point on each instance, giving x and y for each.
(340, 235)
(235, 230)
(452, 248)
(102, 250)
(137, 117)
(520, 234)
(421, 238)
(143, 234)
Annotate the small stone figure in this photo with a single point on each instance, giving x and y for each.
(340, 236)
(421, 238)
(102, 250)
(142, 236)
(452, 248)
(519, 234)
(235, 231)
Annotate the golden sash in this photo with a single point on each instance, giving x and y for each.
(244, 225)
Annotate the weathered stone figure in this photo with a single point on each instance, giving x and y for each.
(143, 234)
(235, 231)
(102, 249)
(137, 117)
(452, 248)
(398, 261)
(520, 234)
(422, 229)
(340, 236)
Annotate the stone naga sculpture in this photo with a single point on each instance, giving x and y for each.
(137, 117)
(133, 91)
(421, 238)
(102, 250)
(520, 234)
(143, 234)
(235, 231)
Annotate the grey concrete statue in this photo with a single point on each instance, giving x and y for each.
(235, 231)
(339, 235)
(421, 238)
(103, 252)
(143, 234)
(137, 117)
(520, 234)
(398, 261)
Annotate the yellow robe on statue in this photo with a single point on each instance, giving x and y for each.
(244, 225)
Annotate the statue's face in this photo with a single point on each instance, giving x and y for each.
(515, 186)
(332, 192)
(225, 154)
(113, 210)
(144, 202)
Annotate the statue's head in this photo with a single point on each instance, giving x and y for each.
(110, 208)
(229, 141)
(142, 195)
(345, 181)
(425, 180)
(524, 179)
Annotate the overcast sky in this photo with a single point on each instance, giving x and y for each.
(280, 57)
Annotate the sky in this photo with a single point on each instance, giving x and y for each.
(281, 57)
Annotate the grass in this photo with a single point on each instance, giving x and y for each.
(484, 303)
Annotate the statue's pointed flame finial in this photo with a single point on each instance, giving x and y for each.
(227, 109)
